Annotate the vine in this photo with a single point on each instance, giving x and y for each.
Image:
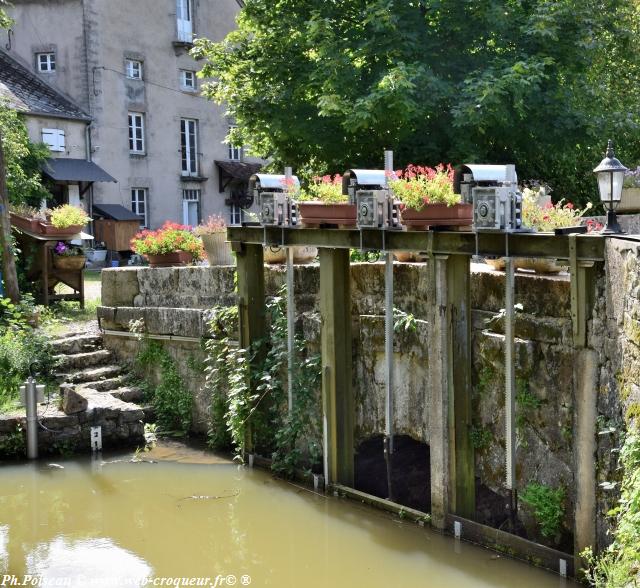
(170, 398)
(248, 388)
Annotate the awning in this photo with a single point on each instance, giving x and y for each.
(114, 212)
(75, 170)
(235, 170)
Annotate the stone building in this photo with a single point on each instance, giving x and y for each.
(127, 65)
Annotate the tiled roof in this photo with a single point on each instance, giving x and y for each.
(24, 91)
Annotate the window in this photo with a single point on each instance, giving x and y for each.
(191, 207)
(235, 153)
(136, 132)
(139, 205)
(46, 62)
(54, 139)
(235, 215)
(189, 146)
(133, 69)
(188, 80)
(184, 16)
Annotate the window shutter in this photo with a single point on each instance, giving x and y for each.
(54, 139)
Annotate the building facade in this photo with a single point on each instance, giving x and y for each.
(127, 64)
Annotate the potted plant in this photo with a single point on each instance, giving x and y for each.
(26, 217)
(539, 213)
(630, 199)
(68, 257)
(64, 220)
(169, 246)
(214, 238)
(324, 203)
(427, 197)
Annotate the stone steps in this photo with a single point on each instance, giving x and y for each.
(77, 343)
(128, 394)
(84, 359)
(106, 385)
(90, 375)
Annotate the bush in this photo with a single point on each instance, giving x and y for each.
(67, 216)
(547, 506)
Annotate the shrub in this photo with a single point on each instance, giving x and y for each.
(547, 506)
(215, 224)
(67, 216)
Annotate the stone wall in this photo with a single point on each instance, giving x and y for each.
(174, 302)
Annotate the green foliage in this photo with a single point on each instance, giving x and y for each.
(21, 348)
(403, 321)
(22, 157)
(170, 399)
(331, 84)
(618, 565)
(548, 507)
(249, 387)
(356, 255)
(13, 445)
(480, 437)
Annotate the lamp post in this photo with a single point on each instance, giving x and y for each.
(610, 174)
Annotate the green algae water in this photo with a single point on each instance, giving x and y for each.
(192, 520)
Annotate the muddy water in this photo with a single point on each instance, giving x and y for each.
(209, 522)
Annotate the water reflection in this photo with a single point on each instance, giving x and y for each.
(78, 562)
(203, 519)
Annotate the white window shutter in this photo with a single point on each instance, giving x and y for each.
(54, 139)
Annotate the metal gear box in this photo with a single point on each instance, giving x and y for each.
(275, 209)
(374, 209)
(496, 209)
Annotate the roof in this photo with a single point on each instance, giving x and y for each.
(238, 170)
(75, 170)
(25, 92)
(115, 212)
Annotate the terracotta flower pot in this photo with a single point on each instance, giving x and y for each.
(437, 215)
(69, 262)
(539, 265)
(318, 213)
(49, 229)
(173, 259)
(22, 222)
(217, 249)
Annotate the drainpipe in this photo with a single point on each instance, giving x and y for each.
(87, 143)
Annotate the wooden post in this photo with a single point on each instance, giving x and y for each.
(337, 393)
(452, 457)
(251, 304)
(463, 496)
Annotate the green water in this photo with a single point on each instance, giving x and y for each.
(193, 517)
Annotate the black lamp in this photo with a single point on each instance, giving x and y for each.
(610, 174)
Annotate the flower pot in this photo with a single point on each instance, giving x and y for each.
(404, 256)
(217, 249)
(275, 255)
(173, 259)
(539, 265)
(437, 215)
(49, 229)
(28, 224)
(318, 213)
(69, 262)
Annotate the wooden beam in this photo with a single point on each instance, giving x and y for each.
(588, 247)
(462, 468)
(251, 305)
(337, 393)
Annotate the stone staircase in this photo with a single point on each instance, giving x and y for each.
(95, 391)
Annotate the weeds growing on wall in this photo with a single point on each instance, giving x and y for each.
(619, 564)
(170, 398)
(13, 445)
(548, 507)
(249, 391)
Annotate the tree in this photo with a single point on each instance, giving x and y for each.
(329, 84)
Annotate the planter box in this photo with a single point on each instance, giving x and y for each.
(50, 230)
(319, 213)
(69, 262)
(630, 200)
(28, 224)
(438, 215)
(217, 249)
(173, 259)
